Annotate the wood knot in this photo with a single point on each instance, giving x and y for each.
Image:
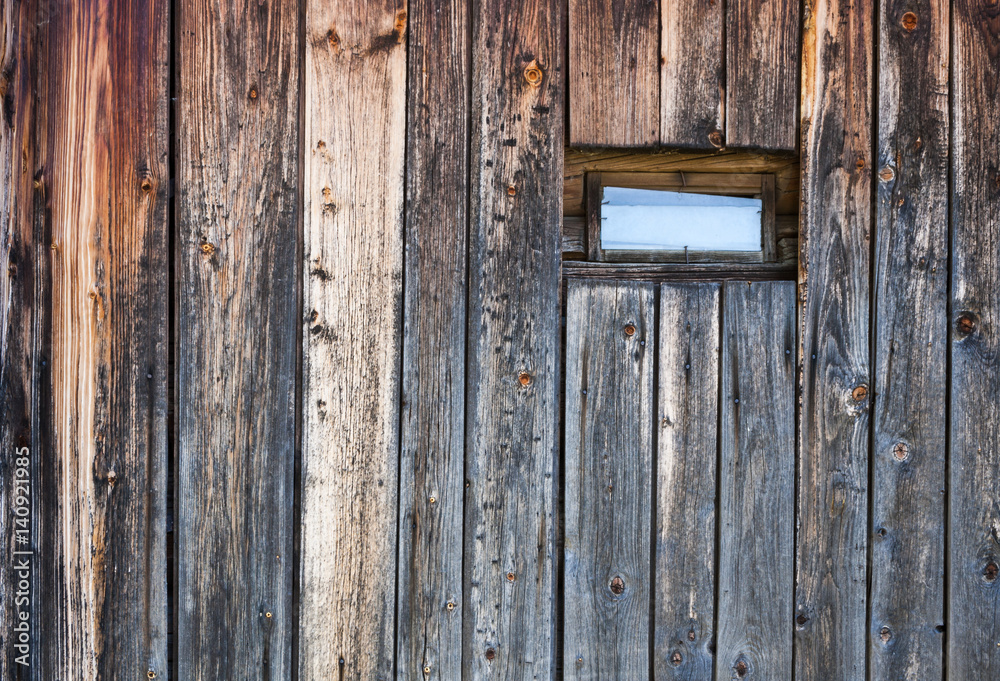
(990, 571)
(966, 323)
(511, 190)
(252, 94)
(885, 635)
(490, 654)
(112, 478)
(802, 619)
(909, 21)
(427, 669)
(629, 329)
(146, 184)
(741, 668)
(450, 605)
(692, 635)
(511, 577)
(860, 393)
(887, 174)
(207, 248)
(524, 378)
(715, 139)
(901, 450)
(676, 659)
(533, 74)
(617, 586)
(150, 674)
(860, 164)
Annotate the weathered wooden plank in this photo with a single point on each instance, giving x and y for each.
(974, 429)
(83, 353)
(756, 481)
(614, 88)
(432, 466)
(832, 540)
(687, 419)
(692, 75)
(762, 73)
(910, 336)
(237, 212)
(23, 314)
(610, 341)
(355, 110)
(513, 349)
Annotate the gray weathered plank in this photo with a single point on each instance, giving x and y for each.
(692, 74)
(432, 465)
(614, 88)
(513, 349)
(756, 481)
(762, 73)
(910, 336)
(974, 468)
(688, 347)
(610, 341)
(832, 542)
(354, 145)
(237, 210)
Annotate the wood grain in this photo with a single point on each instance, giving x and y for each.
(762, 73)
(237, 210)
(756, 481)
(432, 465)
(83, 354)
(355, 109)
(910, 336)
(974, 466)
(614, 81)
(832, 540)
(687, 419)
(610, 407)
(692, 74)
(514, 331)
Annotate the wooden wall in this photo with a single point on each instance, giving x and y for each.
(280, 326)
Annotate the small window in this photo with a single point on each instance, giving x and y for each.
(681, 217)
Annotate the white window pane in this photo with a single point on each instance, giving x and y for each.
(649, 219)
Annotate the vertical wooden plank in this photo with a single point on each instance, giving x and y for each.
(432, 466)
(610, 341)
(355, 125)
(762, 73)
(974, 467)
(768, 222)
(688, 421)
(513, 348)
(614, 83)
(910, 335)
(595, 196)
(83, 351)
(756, 481)
(831, 544)
(692, 75)
(23, 269)
(237, 211)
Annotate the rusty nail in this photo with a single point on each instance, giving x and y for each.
(715, 138)
(909, 21)
(676, 658)
(511, 576)
(533, 74)
(524, 378)
(860, 393)
(885, 634)
(901, 451)
(617, 586)
(990, 571)
(886, 174)
(629, 330)
(966, 323)
(341, 662)
(511, 190)
(490, 653)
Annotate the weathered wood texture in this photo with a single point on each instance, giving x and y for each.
(614, 85)
(355, 116)
(514, 329)
(687, 422)
(23, 269)
(236, 210)
(756, 481)
(692, 75)
(974, 468)
(610, 345)
(910, 336)
(432, 465)
(762, 73)
(832, 540)
(83, 353)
